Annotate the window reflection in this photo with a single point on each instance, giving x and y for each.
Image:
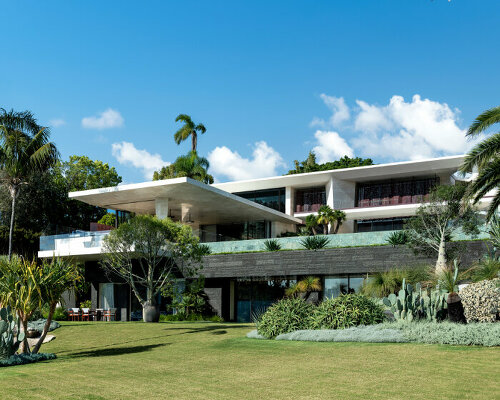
(336, 285)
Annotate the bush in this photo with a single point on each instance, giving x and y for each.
(86, 304)
(481, 301)
(60, 314)
(346, 311)
(286, 315)
(204, 249)
(314, 242)
(19, 359)
(272, 245)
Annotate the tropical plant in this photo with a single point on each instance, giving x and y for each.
(286, 315)
(25, 149)
(188, 129)
(486, 269)
(190, 300)
(312, 223)
(494, 231)
(190, 166)
(485, 156)
(398, 238)
(330, 219)
(272, 245)
(304, 287)
(58, 276)
(11, 335)
(20, 289)
(148, 252)
(204, 250)
(315, 242)
(345, 311)
(434, 224)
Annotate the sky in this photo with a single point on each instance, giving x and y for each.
(270, 80)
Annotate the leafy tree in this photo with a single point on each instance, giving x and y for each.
(310, 164)
(435, 222)
(188, 129)
(148, 252)
(25, 150)
(191, 166)
(108, 219)
(485, 156)
(82, 173)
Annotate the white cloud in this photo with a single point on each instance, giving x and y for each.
(57, 122)
(420, 128)
(106, 119)
(340, 112)
(331, 146)
(126, 153)
(264, 162)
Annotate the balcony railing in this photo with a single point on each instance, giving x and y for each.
(72, 242)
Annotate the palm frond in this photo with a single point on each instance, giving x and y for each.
(200, 128)
(482, 153)
(484, 121)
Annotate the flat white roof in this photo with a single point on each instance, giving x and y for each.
(394, 170)
(207, 204)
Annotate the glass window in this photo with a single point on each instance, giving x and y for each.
(310, 199)
(272, 198)
(336, 285)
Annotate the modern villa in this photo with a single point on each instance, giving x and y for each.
(235, 219)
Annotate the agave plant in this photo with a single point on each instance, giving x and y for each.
(315, 242)
(398, 238)
(272, 245)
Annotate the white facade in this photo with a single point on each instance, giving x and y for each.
(207, 207)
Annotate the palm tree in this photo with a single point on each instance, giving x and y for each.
(338, 218)
(312, 223)
(24, 150)
(325, 217)
(485, 156)
(188, 129)
(190, 165)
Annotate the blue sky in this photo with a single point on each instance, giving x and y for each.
(270, 80)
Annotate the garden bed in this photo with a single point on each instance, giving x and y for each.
(478, 334)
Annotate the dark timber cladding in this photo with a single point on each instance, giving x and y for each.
(352, 260)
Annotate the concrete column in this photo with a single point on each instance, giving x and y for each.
(231, 301)
(330, 193)
(289, 206)
(161, 207)
(344, 196)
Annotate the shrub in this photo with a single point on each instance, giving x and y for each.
(398, 238)
(481, 301)
(19, 359)
(346, 311)
(86, 304)
(369, 334)
(204, 249)
(272, 245)
(314, 242)
(60, 314)
(486, 269)
(286, 315)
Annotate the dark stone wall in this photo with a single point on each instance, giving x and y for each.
(353, 260)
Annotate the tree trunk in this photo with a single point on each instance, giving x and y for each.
(24, 347)
(441, 261)
(45, 329)
(13, 193)
(194, 141)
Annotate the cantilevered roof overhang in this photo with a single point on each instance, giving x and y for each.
(206, 204)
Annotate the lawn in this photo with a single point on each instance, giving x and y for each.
(215, 361)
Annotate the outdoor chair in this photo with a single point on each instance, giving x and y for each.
(74, 313)
(110, 314)
(85, 314)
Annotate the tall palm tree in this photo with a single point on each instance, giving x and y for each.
(188, 129)
(338, 218)
(485, 156)
(25, 149)
(312, 223)
(325, 217)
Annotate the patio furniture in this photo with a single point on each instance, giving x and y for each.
(74, 313)
(98, 315)
(85, 314)
(110, 314)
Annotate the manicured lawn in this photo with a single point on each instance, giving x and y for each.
(215, 361)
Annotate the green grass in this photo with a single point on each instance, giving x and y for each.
(216, 361)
